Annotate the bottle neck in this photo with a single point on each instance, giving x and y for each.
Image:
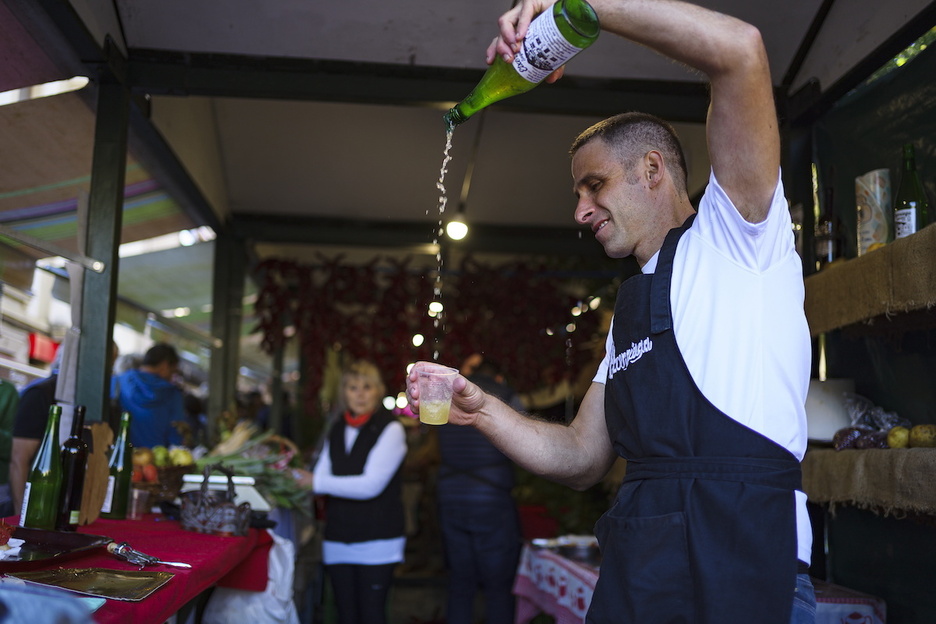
(55, 415)
(909, 159)
(124, 432)
(454, 118)
(78, 421)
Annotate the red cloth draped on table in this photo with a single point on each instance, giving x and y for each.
(239, 562)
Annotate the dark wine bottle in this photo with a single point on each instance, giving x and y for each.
(911, 210)
(828, 238)
(120, 469)
(41, 496)
(74, 466)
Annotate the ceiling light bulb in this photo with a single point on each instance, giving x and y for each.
(456, 228)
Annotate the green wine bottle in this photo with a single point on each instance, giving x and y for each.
(74, 466)
(552, 39)
(911, 210)
(120, 469)
(41, 496)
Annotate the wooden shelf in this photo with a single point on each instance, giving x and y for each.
(886, 480)
(876, 287)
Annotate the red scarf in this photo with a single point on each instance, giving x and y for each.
(356, 421)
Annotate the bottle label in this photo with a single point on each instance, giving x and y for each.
(73, 516)
(544, 49)
(109, 496)
(904, 222)
(25, 504)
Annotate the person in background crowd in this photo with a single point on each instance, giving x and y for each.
(9, 399)
(151, 397)
(197, 421)
(32, 415)
(479, 518)
(265, 416)
(707, 363)
(359, 469)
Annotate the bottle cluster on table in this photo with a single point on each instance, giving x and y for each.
(54, 487)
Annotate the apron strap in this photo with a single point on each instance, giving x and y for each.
(778, 473)
(661, 317)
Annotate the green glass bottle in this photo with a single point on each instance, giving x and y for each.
(120, 469)
(911, 210)
(41, 496)
(552, 39)
(74, 466)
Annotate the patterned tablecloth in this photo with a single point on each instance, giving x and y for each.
(547, 582)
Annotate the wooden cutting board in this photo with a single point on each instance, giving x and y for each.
(95, 484)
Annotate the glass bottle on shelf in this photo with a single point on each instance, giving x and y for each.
(43, 485)
(120, 470)
(911, 210)
(552, 39)
(827, 235)
(74, 466)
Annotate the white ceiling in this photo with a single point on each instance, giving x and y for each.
(380, 161)
(325, 113)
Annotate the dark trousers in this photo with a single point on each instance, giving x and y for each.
(361, 592)
(482, 548)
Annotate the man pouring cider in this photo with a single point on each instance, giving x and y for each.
(703, 384)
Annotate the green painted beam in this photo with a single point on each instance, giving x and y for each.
(102, 239)
(159, 72)
(230, 265)
(554, 241)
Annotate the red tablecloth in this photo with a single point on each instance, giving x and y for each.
(239, 562)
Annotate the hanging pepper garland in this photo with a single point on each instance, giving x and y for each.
(516, 314)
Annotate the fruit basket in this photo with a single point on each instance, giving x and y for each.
(169, 483)
(159, 471)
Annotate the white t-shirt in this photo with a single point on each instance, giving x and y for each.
(737, 300)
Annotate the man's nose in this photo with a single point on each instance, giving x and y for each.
(583, 211)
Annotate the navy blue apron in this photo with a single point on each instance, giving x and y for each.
(703, 530)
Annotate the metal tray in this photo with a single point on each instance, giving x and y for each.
(128, 585)
(43, 547)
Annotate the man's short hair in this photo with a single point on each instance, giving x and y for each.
(631, 136)
(159, 353)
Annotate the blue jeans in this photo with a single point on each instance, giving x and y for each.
(804, 601)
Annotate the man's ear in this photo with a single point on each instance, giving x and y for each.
(656, 168)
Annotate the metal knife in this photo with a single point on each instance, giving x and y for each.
(124, 551)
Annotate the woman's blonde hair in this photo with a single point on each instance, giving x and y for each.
(362, 369)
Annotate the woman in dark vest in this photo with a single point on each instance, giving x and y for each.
(359, 471)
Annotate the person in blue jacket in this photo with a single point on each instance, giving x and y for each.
(151, 397)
